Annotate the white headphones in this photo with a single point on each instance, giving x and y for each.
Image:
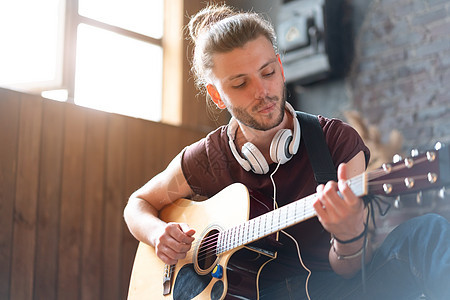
(283, 146)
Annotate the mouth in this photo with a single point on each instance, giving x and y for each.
(267, 108)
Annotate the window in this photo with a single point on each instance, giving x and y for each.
(102, 54)
(32, 42)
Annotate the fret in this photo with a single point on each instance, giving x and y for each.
(282, 217)
(264, 223)
(221, 243)
(275, 218)
(236, 237)
(259, 226)
(246, 232)
(291, 214)
(251, 229)
(228, 241)
(240, 234)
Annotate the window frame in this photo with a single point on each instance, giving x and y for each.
(73, 19)
(172, 47)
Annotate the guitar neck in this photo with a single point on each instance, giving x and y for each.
(278, 219)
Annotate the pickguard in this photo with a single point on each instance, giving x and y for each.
(189, 284)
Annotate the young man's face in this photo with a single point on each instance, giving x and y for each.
(250, 82)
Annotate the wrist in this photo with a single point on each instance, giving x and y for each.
(351, 255)
(350, 240)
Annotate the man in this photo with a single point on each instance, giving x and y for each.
(236, 62)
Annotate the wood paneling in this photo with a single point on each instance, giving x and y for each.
(68, 284)
(26, 196)
(114, 197)
(94, 177)
(49, 200)
(65, 176)
(9, 132)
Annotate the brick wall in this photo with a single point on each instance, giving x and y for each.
(400, 78)
(401, 72)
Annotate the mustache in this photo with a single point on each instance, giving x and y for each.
(267, 100)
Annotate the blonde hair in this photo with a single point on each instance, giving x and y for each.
(220, 29)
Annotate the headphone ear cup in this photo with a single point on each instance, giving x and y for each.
(257, 161)
(279, 148)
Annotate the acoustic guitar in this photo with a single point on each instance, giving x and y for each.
(234, 230)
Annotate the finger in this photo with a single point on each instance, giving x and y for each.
(170, 246)
(175, 231)
(319, 205)
(332, 201)
(187, 230)
(166, 259)
(169, 256)
(348, 196)
(342, 172)
(344, 188)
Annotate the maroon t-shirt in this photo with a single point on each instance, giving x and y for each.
(209, 166)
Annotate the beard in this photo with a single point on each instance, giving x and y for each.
(248, 119)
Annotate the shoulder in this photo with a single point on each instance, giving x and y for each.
(214, 140)
(206, 162)
(342, 139)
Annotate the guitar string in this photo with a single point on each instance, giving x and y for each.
(251, 237)
(210, 248)
(210, 243)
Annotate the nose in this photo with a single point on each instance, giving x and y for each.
(260, 89)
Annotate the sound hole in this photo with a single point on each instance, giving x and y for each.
(206, 256)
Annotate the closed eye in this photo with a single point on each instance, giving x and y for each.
(238, 86)
(269, 74)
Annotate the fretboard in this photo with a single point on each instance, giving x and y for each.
(276, 220)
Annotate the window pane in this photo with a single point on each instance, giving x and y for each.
(142, 16)
(118, 74)
(31, 33)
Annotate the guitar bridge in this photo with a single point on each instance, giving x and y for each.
(167, 279)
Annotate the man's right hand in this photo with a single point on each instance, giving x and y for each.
(174, 242)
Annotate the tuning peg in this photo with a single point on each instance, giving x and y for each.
(409, 163)
(442, 193)
(431, 156)
(397, 202)
(419, 198)
(414, 152)
(438, 146)
(397, 158)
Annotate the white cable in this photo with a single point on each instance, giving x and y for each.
(275, 206)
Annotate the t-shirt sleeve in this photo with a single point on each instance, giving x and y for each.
(343, 141)
(206, 166)
(194, 160)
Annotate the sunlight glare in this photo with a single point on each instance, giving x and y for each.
(118, 74)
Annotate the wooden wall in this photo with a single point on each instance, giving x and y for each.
(65, 175)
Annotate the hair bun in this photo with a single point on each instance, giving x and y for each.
(207, 17)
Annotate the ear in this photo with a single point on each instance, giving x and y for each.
(215, 96)
(281, 66)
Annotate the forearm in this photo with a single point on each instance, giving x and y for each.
(142, 220)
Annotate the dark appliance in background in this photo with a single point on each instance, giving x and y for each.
(315, 39)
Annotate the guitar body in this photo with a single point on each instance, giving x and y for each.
(192, 277)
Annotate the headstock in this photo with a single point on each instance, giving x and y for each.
(419, 172)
